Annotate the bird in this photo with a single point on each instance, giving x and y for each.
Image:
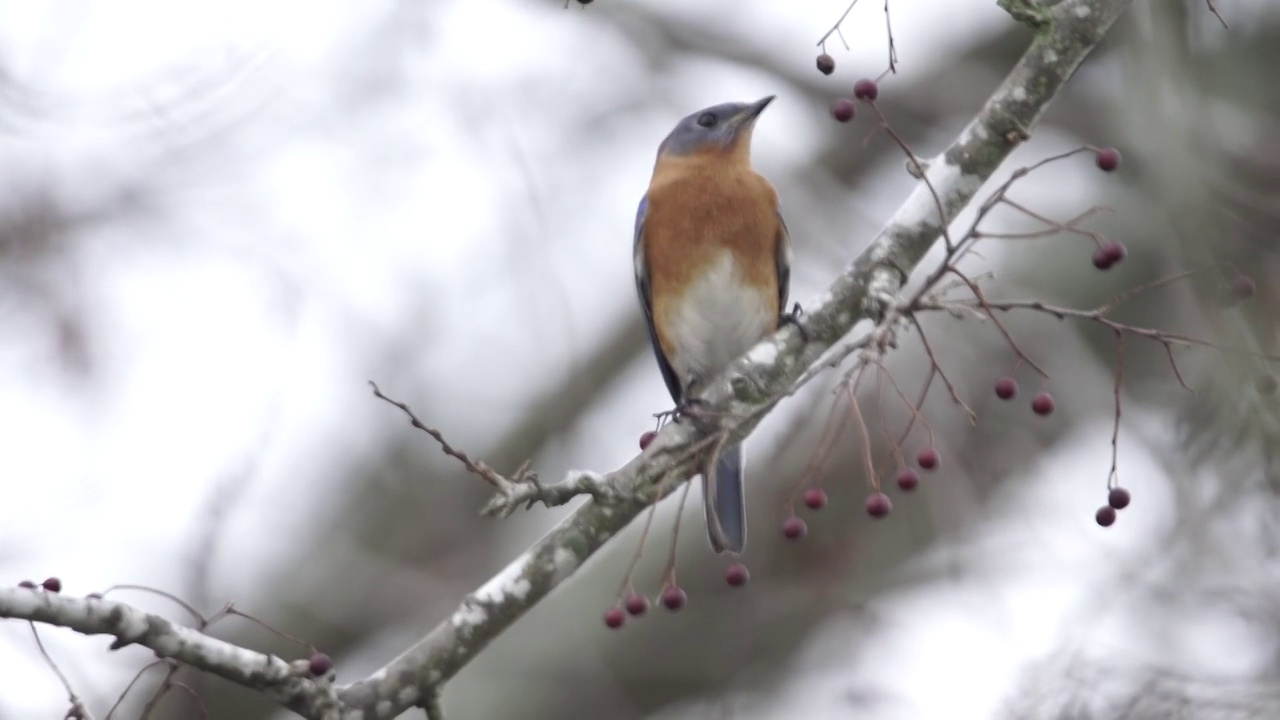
(713, 266)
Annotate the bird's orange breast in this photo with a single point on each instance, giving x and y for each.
(697, 211)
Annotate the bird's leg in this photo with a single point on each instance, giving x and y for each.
(793, 318)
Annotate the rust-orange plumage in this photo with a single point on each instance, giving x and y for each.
(712, 262)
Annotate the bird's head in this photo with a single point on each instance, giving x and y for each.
(720, 128)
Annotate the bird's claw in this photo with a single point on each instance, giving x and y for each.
(793, 318)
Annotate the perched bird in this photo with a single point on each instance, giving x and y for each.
(713, 262)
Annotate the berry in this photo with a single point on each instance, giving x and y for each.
(27, 584)
(794, 528)
(1109, 253)
(1042, 404)
(842, 110)
(320, 664)
(674, 597)
(1006, 388)
(52, 584)
(636, 604)
(1105, 516)
(928, 458)
(866, 89)
(737, 575)
(878, 505)
(1243, 287)
(613, 618)
(1118, 498)
(646, 438)
(815, 498)
(908, 479)
(1108, 159)
(826, 64)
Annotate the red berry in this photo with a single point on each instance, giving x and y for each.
(826, 64)
(737, 575)
(674, 597)
(1118, 498)
(52, 584)
(1006, 388)
(1243, 287)
(1108, 159)
(1108, 254)
(1106, 516)
(1100, 260)
(27, 584)
(613, 618)
(928, 458)
(646, 438)
(1042, 404)
(866, 89)
(878, 505)
(320, 664)
(908, 479)
(794, 528)
(815, 498)
(842, 110)
(636, 604)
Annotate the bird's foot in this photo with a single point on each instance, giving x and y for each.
(793, 318)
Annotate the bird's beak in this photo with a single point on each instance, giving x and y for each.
(752, 111)
(748, 114)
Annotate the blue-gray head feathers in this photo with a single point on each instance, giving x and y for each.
(713, 128)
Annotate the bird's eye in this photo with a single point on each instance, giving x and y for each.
(707, 120)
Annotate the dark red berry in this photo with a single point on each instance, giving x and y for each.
(908, 479)
(613, 618)
(1006, 388)
(1118, 498)
(27, 584)
(826, 64)
(1101, 260)
(1042, 403)
(928, 458)
(1109, 253)
(320, 664)
(1106, 516)
(866, 89)
(794, 528)
(674, 597)
(636, 604)
(1108, 159)
(842, 110)
(815, 498)
(646, 438)
(52, 585)
(1243, 287)
(737, 575)
(878, 505)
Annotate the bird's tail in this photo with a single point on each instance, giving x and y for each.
(724, 503)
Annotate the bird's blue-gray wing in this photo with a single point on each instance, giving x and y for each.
(646, 301)
(782, 262)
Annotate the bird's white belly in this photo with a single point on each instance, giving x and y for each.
(718, 318)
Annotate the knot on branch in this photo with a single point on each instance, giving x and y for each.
(526, 489)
